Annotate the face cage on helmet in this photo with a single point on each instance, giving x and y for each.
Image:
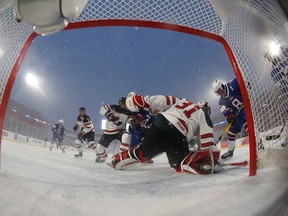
(122, 100)
(220, 89)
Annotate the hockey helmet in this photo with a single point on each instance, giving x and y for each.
(135, 103)
(82, 109)
(131, 94)
(218, 85)
(122, 100)
(274, 59)
(61, 122)
(205, 106)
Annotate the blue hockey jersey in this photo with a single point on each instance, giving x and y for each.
(58, 130)
(232, 103)
(144, 120)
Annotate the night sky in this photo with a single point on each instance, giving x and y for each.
(95, 66)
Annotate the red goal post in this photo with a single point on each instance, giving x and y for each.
(245, 28)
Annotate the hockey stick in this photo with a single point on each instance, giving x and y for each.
(274, 137)
(224, 132)
(228, 126)
(238, 164)
(71, 144)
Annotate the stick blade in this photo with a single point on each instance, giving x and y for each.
(236, 164)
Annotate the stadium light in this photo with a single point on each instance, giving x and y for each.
(34, 83)
(32, 80)
(48, 16)
(274, 48)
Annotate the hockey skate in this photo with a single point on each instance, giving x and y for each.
(227, 155)
(50, 149)
(100, 159)
(79, 155)
(149, 162)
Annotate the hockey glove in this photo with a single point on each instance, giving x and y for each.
(75, 127)
(110, 116)
(134, 123)
(118, 122)
(231, 118)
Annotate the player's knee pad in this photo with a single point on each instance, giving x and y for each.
(100, 149)
(92, 145)
(101, 154)
(232, 136)
(77, 143)
(201, 162)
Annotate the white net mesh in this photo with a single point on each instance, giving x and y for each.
(249, 27)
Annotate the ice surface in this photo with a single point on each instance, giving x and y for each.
(35, 181)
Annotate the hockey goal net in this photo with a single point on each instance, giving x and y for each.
(246, 28)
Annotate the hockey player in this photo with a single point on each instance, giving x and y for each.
(86, 131)
(170, 133)
(115, 128)
(231, 106)
(279, 71)
(145, 109)
(58, 130)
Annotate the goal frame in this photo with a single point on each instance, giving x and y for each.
(146, 24)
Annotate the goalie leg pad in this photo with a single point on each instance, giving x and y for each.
(200, 162)
(128, 158)
(123, 160)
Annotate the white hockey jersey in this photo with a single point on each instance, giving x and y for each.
(85, 124)
(114, 127)
(160, 103)
(190, 120)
